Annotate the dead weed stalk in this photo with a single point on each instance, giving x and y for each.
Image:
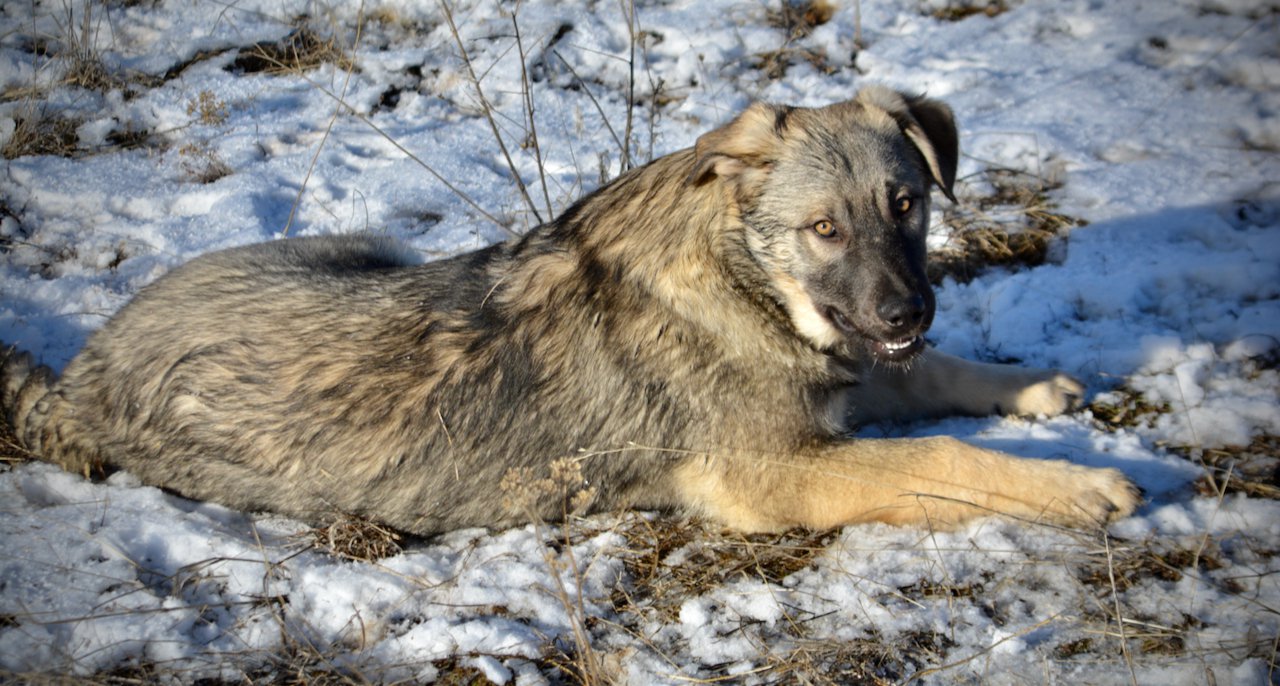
(530, 120)
(523, 491)
(349, 69)
(83, 64)
(487, 109)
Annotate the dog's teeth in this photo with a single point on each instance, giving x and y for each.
(895, 346)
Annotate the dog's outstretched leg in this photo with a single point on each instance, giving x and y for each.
(939, 385)
(935, 482)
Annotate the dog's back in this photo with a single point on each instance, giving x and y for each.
(334, 375)
(260, 377)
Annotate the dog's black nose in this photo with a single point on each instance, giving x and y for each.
(902, 313)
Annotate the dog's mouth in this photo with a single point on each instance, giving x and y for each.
(898, 350)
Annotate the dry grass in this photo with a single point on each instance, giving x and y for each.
(796, 19)
(867, 662)
(669, 561)
(355, 538)
(285, 669)
(454, 673)
(487, 109)
(707, 558)
(201, 163)
(71, 52)
(82, 62)
(1252, 469)
(1012, 226)
(1131, 564)
(775, 63)
(197, 158)
(963, 9)
(1126, 567)
(303, 49)
(39, 131)
(11, 451)
(1118, 629)
(1125, 408)
(131, 138)
(208, 109)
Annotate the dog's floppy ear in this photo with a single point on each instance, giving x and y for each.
(929, 125)
(935, 135)
(749, 142)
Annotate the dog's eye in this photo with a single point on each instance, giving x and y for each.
(825, 228)
(903, 205)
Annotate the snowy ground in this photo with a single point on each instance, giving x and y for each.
(1155, 122)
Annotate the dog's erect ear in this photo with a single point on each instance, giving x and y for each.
(749, 142)
(929, 125)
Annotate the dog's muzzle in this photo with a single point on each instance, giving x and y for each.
(892, 350)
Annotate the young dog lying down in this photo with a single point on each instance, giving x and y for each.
(697, 334)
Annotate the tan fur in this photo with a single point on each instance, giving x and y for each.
(938, 482)
(684, 332)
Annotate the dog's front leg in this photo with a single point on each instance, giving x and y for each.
(938, 385)
(929, 481)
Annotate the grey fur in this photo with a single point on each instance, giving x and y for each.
(684, 332)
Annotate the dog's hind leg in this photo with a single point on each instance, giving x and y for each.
(41, 420)
(932, 481)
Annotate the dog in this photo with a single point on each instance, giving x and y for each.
(697, 335)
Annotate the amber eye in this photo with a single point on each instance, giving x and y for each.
(903, 205)
(825, 228)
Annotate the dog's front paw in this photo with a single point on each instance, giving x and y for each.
(1051, 394)
(1093, 497)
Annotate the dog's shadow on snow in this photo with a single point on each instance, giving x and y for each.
(52, 337)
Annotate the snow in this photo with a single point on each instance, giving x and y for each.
(1157, 117)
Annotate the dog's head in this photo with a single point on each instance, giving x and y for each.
(835, 207)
